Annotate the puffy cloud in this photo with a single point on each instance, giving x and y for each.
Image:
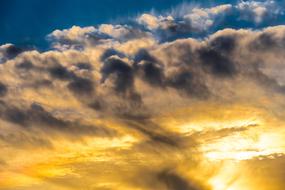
(78, 38)
(149, 21)
(152, 22)
(258, 9)
(195, 20)
(3, 89)
(73, 36)
(190, 20)
(201, 19)
(183, 21)
(197, 69)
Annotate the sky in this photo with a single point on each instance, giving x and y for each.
(142, 95)
(28, 22)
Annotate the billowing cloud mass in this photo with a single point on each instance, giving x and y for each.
(171, 101)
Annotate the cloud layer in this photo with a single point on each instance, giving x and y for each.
(170, 101)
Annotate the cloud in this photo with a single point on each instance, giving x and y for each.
(186, 20)
(186, 67)
(195, 19)
(189, 20)
(80, 37)
(201, 19)
(169, 100)
(258, 10)
(81, 86)
(9, 51)
(72, 37)
(3, 89)
(176, 182)
(124, 79)
(37, 116)
(164, 27)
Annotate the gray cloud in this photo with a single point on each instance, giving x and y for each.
(3, 90)
(176, 182)
(36, 116)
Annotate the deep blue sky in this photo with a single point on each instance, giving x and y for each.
(27, 22)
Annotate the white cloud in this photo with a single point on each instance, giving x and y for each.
(150, 21)
(258, 9)
(202, 19)
(196, 19)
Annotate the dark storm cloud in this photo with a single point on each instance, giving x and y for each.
(84, 66)
(152, 73)
(124, 77)
(148, 67)
(12, 51)
(110, 52)
(144, 55)
(219, 64)
(267, 42)
(190, 84)
(175, 182)
(97, 105)
(77, 85)
(3, 90)
(61, 73)
(25, 65)
(26, 117)
(36, 116)
(224, 44)
(81, 86)
(217, 56)
(156, 135)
